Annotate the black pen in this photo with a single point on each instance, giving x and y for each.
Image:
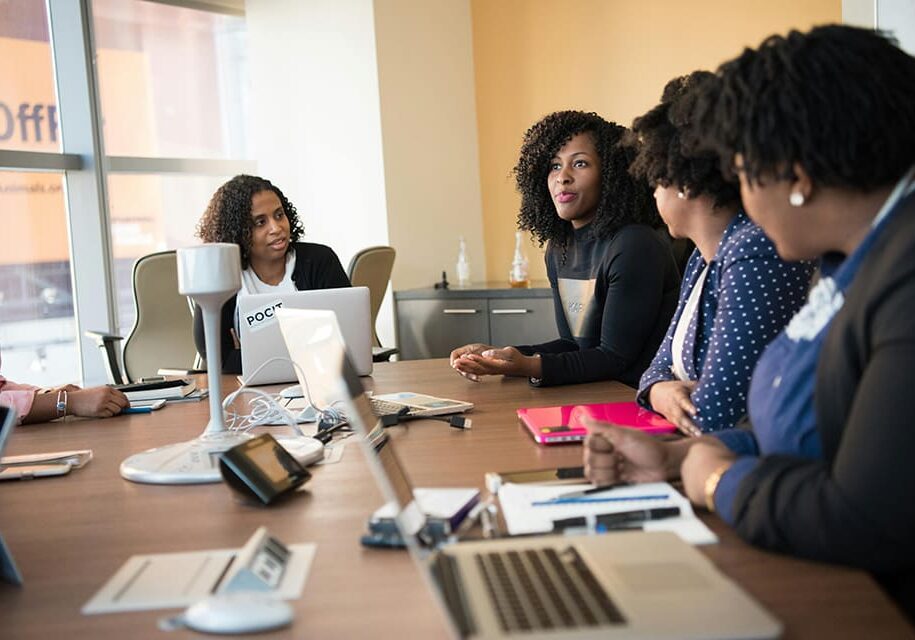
(588, 492)
(618, 520)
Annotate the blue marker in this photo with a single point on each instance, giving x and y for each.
(584, 500)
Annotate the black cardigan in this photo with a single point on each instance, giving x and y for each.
(628, 285)
(316, 267)
(856, 506)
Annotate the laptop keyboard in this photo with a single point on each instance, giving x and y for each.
(542, 589)
(385, 408)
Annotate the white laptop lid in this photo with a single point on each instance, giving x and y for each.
(261, 340)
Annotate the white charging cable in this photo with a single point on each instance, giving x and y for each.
(266, 410)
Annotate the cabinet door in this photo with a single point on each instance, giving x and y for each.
(521, 321)
(433, 328)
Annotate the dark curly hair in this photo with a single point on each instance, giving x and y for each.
(623, 200)
(228, 216)
(663, 154)
(838, 100)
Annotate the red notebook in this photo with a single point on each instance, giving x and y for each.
(553, 425)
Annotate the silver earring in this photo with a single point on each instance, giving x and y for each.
(681, 195)
(796, 199)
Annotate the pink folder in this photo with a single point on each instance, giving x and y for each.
(552, 425)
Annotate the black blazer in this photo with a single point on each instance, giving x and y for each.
(316, 267)
(856, 506)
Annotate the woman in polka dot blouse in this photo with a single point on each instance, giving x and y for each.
(736, 294)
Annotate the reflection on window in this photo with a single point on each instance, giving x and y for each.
(152, 213)
(172, 80)
(37, 327)
(28, 103)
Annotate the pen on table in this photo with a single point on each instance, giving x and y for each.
(587, 500)
(618, 520)
(588, 492)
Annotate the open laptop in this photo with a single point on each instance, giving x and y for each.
(314, 337)
(617, 585)
(260, 338)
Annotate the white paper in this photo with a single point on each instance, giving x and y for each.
(441, 503)
(175, 580)
(522, 517)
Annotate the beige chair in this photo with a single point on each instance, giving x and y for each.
(163, 332)
(371, 268)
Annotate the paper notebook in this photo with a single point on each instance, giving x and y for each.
(552, 425)
(525, 511)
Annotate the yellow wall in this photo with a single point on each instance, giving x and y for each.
(533, 57)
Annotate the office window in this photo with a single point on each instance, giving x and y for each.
(152, 213)
(172, 80)
(37, 325)
(172, 84)
(28, 104)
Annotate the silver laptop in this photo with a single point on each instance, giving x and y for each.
(313, 337)
(260, 338)
(617, 585)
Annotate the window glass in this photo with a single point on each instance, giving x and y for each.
(171, 80)
(28, 103)
(152, 213)
(37, 326)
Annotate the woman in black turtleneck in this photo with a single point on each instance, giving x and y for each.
(614, 280)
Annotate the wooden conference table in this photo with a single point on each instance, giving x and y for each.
(70, 534)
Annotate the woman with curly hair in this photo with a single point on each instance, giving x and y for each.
(820, 129)
(613, 276)
(254, 214)
(733, 274)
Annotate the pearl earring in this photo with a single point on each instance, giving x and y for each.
(681, 195)
(796, 199)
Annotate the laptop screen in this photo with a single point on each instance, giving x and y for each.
(7, 422)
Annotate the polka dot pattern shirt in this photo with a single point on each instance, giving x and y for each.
(750, 294)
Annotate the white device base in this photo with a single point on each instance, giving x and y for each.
(305, 450)
(192, 462)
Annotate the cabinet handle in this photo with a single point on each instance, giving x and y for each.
(453, 312)
(509, 312)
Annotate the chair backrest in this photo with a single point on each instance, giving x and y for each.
(163, 333)
(371, 268)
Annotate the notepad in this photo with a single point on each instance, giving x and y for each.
(522, 518)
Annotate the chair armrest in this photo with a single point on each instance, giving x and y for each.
(102, 337)
(383, 354)
(107, 343)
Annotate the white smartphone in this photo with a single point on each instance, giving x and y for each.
(145, 406)
(27, 472)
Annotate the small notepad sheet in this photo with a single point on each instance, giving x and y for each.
(522, 516)
(175, 580)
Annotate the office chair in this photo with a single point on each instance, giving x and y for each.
(371, 268)
(163, 332)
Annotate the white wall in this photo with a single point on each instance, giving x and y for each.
(363, 113)
(429, 128)
(316, 124)
(898, 17)
(894, 16)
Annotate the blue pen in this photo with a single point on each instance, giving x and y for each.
(137, 410)
(554, 501)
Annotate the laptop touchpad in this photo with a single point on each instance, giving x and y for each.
(665, 576)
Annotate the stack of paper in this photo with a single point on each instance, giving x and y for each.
(525, 512)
